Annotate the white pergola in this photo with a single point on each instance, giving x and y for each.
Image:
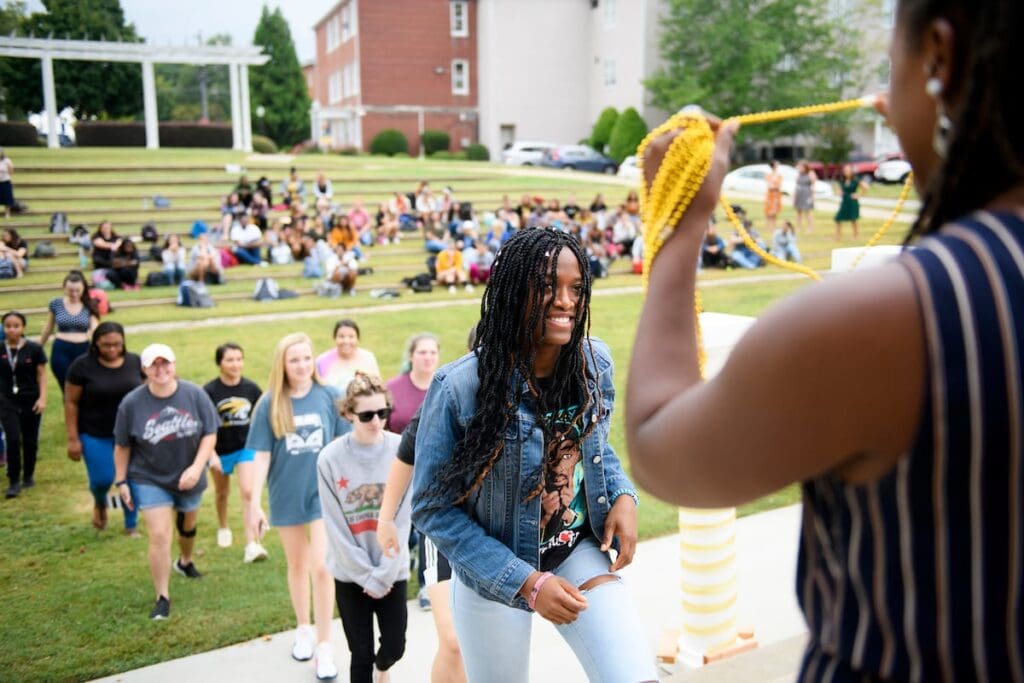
(237, 59)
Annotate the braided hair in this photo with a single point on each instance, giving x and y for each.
(511, 311)
(986, 148)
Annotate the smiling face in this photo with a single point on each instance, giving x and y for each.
(298, 365)
(561, 301)
(73, 290)
(425, 356)
(368, 432)
(161, 373)
(346, 341)
(231, 365)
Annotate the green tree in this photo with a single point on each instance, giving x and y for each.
(735, 57)
(628, 133)
(602, 131)
(103, 89)
(179, 88)
(278, 85)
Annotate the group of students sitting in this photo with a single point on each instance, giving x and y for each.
(736, 253)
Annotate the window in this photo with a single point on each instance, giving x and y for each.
(348, 21)
(334, 87)
(459, 18)
(350, 79)
(355, 77)
(460, 77)
(609, 14)
(332, 33)
(609, 71)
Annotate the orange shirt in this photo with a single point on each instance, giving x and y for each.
(447, 259)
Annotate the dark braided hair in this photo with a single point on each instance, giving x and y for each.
(512, 309)
(986, 148)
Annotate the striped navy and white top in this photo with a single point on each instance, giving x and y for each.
(918, 575)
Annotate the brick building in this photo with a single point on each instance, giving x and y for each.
(405, 64)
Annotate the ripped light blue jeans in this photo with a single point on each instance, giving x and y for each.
(608, 637)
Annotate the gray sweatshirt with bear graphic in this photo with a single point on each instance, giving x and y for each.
(351, 477)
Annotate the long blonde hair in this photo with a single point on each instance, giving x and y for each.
(282, 420)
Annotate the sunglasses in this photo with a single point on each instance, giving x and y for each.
(368, 415)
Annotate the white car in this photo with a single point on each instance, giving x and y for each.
(751, 180)
(525, 153)
(629, 169)
(892, 171)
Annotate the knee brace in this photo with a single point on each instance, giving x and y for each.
(180, 521)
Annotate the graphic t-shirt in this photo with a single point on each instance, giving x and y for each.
(291, 480)
(234, 406)
(164, 433)
(563, 517)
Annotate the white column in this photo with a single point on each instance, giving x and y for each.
(50, 103)
(236, 113)
(314, 123)
(149, 106)
(246, 114)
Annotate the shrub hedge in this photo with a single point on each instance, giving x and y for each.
(263, 145)
(18, 134)
(389, 141)
(133, 134)
(435, 141)
(478, 152)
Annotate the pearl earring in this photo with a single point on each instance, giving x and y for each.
(933, 86)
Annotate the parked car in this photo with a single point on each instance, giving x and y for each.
(864, 166)
(751, 179)
(629, 169)
(579, 157)
(525, 153)
(892, 171)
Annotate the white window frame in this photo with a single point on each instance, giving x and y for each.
(610, 12)
(349, 27)
(332, 33)
(462, 89)
(334, 87)
(609, 72)
(459, 20)
(355, 77)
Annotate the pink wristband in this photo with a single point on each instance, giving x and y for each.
(535, 591)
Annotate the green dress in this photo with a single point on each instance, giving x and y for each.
(849, 207)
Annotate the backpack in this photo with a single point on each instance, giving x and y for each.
(195, 294)
(419, 283)
(19, 207)
(161, 202)
(45, 250)
(7, 269)
(198, 228)
(149, 233)
(100, 300)
(157, 278)
(80, 235)
(267, 289)
(59, 223)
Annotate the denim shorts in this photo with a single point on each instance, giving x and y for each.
(228, 461)
(146, 496)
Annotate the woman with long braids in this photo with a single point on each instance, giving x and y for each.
(515, 481)
(895, 393)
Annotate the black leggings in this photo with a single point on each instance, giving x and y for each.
(22, 433)
(357, 610)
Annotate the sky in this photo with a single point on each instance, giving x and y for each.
(180, 21)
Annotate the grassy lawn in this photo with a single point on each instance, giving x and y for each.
(75, 602)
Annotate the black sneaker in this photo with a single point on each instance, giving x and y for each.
(161, 610)
(13, 490)
(187, 570)
(28, 483)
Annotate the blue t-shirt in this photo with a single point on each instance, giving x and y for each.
(291, 479)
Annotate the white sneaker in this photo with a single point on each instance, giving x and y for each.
(254, 552)
(323, 662)
(451, 289)
(305, 639)
(469, 288)
(224, 538)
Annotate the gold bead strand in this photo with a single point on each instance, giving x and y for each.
(888, 223)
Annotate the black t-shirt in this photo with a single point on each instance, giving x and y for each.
(234, 409)
(102, 391)
(571, 210)
(407, 446)
(19, 368)
(564, 521)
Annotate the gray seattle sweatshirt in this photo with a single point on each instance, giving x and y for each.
(351, 477)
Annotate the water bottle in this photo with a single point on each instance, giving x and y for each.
(83, 261)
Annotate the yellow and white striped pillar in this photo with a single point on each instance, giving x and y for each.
(707, 557)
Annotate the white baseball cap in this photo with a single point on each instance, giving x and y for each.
(154, 351)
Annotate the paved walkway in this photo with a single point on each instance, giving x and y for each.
(767, 545)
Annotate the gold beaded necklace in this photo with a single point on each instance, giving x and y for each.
(684, 169)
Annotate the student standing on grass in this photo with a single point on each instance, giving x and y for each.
(338, 366)
(893, 393)
(294, 420)
(164, 436)
(368, 583)
(234, 396)
(96, 384)
(516, 483)
(70, 321)
(23, 384)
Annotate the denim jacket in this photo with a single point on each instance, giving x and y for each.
(493, 539)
